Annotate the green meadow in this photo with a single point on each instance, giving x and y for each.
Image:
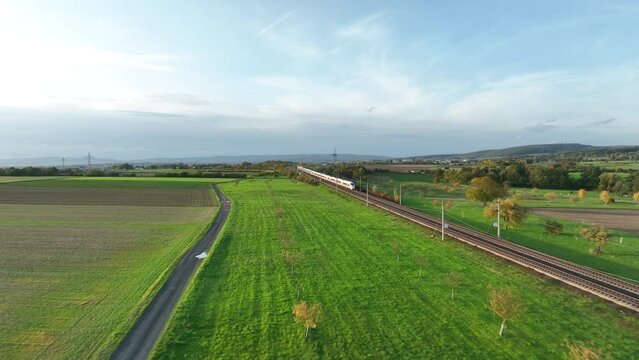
(380, 283)
(620, 259)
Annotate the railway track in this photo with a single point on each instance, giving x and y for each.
(620, 292)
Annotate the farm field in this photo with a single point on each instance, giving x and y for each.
(74, 278)
(613, 165)
(376, 302)
(106, 196)
(620, 259)
(120, 182)
(10, 179)
(625, 220)
(405, 168)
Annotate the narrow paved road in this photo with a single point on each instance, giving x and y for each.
(140, 340)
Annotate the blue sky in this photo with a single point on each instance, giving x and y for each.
(132, 79)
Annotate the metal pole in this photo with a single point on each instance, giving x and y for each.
(337, 177)
(400, 193)
(360, 183)
(442, 220)
(498, 220)
(367, 194)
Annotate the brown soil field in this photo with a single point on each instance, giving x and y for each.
(106, 196)
(626, 220)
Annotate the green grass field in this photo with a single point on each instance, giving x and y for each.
(618, 259)
(120, 182)
(613, 165)
(374, 306)
(73, 278)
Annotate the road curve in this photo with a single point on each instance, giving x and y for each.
(142, 337)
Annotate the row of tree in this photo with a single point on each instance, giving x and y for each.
(556, 175)
(486, 190)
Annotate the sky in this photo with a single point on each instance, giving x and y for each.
(143, 79)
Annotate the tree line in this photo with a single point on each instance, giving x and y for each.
(558, 175)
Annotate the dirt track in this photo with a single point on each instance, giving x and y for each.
(626, 220)
(149, 326)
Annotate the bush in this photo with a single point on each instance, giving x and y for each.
(553, 227)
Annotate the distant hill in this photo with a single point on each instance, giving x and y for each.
(305, 158)
(519, 151)
(236, 159)
(54, 161)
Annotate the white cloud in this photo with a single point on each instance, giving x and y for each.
(574, 97)
(274, 24)
(368, 27)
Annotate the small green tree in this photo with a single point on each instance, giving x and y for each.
(421, 261)
(598, 235)
(397, 247)
(606, 198)
(484, 189)
(505, 304)
(510, 211)
(582, 194)
(307, 315)
(452, 280)
(553, 227)
(292, 258)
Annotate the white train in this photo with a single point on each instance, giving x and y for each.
(341, 182)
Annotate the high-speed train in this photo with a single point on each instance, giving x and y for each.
(341, 182)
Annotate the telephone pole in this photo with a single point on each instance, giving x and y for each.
(89, 161)
(400, 193)
(498, 220)
(442, 220)
(367, 194)
(62, 164)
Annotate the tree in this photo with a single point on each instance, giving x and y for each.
(553, 227)
(292, 258)
(590, 177)
(505, 304)
(438, 175)
(608, 181)
(396, 247)
(635, 196)
(452, 280)
(582, 194)
(484, 189)
(606, 198)
(448, 204)
(582, 352)
(598, 235)
(421, 261)
(511, 212)
(307, 315)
